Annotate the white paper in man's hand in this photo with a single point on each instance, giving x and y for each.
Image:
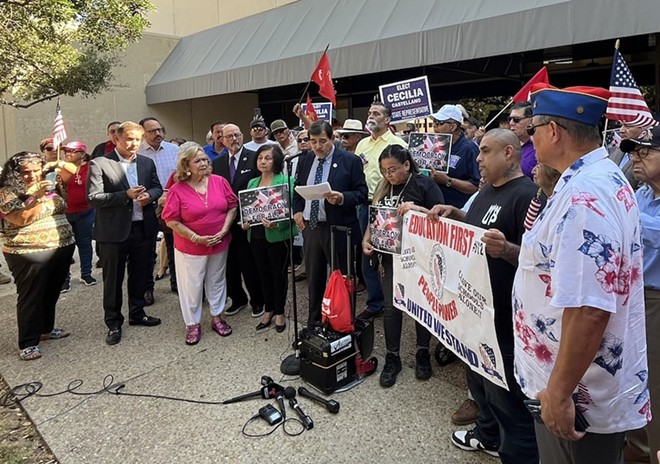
(313, 192)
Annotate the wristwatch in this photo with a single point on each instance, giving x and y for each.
(448, 184)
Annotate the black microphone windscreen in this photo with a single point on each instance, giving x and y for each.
(289, 392)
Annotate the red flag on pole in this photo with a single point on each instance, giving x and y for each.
(323, 78)
(59, 132)
(523, 94)
(310, 111)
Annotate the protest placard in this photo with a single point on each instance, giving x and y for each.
(441, 280)
(430, 150)
(385, 228)
(408, 100)
(271, 203)
(323, 111)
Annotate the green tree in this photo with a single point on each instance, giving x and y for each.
(64, 47)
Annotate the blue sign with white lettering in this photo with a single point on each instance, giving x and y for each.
(409, 99)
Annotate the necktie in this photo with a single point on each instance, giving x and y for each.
(232, 168)
(314, 211)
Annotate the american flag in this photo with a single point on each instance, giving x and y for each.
(264, 203)
(627, 102)
(59, 132)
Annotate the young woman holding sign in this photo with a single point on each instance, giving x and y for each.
(403, 188)
(270, 240)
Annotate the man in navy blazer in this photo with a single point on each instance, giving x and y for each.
(123, 188)
(343, 171)
(239, 256)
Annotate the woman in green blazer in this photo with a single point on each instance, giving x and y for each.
(270, 240)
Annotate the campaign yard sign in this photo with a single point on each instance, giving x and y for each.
(271, 203)
(430, 150)
(441, 280)
(323, 110)
(409, 99)
(385, 228)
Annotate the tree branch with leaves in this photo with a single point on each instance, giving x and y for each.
(64, 47)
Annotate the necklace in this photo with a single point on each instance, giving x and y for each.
(398, 200)
(204, 198)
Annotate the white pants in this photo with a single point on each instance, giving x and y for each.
(194, 273)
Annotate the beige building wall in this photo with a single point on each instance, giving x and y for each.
(185, 17)
(87, 118)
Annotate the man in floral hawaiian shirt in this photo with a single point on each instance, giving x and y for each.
(578, 292)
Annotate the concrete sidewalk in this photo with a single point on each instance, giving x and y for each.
(407, 423)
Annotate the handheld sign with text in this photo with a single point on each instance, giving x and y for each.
(441, 280)
(385, 228)
(430, 150)
(323, 110)
(408, 100)
(271, 203)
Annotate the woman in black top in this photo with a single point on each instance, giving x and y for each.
(404, 188)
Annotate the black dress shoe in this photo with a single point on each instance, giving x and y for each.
(262, 325)
(149, 298)
(113, 337)
(174, 288)
(149, 321)
(280, 328)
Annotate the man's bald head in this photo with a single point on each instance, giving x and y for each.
(499, 156)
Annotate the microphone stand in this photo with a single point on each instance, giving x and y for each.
(291, 364)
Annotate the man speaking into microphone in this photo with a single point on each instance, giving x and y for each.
(343, 171)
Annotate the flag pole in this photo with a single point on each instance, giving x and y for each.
(498, 114)
(616, 47)
(310, 80)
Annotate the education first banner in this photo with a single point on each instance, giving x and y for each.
(442, 282)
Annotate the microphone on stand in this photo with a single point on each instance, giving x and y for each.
(265, 392)
(292, 157)
(290, 393)
(331, 405)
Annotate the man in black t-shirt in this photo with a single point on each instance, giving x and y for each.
(500, 207)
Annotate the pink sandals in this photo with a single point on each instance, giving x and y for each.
(194, 334)
(221, 327)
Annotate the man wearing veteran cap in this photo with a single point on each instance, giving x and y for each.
(645, 157)
(578, 293)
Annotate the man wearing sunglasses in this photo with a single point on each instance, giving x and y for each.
(351, 133)
(519, 119)
(579, 329)
(259, 134)
(645, 158)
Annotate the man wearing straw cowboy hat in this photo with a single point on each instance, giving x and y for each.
(351, 133)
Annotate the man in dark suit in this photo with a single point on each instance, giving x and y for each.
(123, 188)
(238, 166)
(343, 171)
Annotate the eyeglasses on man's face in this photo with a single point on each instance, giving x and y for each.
(531, 129)
(516, 119)
(303, 140)
(232, 136)
(156, 130)
(643, 152)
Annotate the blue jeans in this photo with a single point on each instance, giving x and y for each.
(375, 299)
(82, 224)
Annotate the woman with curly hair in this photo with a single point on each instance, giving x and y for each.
(37, 244)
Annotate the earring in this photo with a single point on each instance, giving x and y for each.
(188, 173)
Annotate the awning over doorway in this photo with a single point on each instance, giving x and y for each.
(283, 45)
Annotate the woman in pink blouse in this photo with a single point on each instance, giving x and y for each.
(200, 208)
